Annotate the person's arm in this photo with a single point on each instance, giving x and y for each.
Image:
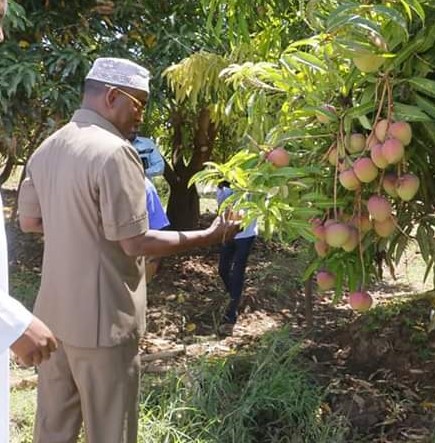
(31, 224)
(161, 243)
(26, 335)
(29, 210)
(125, 219)
(156, 163)
(14, 319)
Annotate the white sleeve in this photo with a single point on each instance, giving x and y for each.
(14, 320)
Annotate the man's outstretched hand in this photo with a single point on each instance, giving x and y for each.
(35, 344)
(224, 229)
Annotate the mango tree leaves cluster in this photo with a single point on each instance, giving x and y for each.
(51, 45)
(281, 99)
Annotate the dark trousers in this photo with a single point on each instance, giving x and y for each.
(232, 266)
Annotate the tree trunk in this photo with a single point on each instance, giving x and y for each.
(10, 153)
(7, 169)
(183, 205)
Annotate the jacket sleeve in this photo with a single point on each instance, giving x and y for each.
(14, 320)
(156, 163)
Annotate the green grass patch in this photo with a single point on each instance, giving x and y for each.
(22, 413)
(258, 396)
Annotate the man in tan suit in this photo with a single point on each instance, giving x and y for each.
(84, 191)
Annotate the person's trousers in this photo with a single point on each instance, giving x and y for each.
(232, 266)
(95, 386)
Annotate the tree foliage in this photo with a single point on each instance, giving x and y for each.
(278, 101)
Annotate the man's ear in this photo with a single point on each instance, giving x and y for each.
(110, 97)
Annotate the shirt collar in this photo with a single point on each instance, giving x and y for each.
(93, 118)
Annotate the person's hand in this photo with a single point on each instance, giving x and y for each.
(35, 344)
(224, 229)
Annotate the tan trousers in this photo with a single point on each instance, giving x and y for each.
(96, 386)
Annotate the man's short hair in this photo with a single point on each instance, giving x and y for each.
(94, 87)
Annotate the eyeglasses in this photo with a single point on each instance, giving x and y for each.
(138, 104)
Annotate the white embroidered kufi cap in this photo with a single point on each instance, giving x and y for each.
(120, 72)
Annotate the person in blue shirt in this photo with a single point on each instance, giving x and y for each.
(149, 153)
(157, 219)
(233, 259)
(153, 165)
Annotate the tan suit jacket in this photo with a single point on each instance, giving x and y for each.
(86, 182)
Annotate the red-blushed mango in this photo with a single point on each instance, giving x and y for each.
(360, 301)
(377, 157)
(357, 143)
(352, 241)
(401, 131)
(389, 184)
(368, 62)
(329, 222)
(325, 280)
(349, 180)
(325, 118)
(365, 169)
(372, 140)
(279, 157)
(319, 232)
(407, 186)
(381, 130)
(393, 150)
(362, 223)
(379, 207)
(385, 228)
(337, 234)
(321, 248)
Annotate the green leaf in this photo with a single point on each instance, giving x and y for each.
(426, 105)
(407, 51)
(357, 22)
(407, 9)
(359, 111)
(311, 268)
(339, 13)
(429, 268)
(423, 242)
(310, 60)
(415, 5)
(365, 122)
(409, 113)
(393, 15)
(424, 85)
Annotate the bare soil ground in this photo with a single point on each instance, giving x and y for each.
(379, 369)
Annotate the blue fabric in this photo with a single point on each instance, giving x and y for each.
(149, 154)
(232, 265)
(157, 218)
(252, 229)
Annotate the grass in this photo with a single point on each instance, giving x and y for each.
(259, 396)
(23, 406)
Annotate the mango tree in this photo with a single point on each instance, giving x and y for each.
(207, 120)
(49, 49)
(353, 105)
